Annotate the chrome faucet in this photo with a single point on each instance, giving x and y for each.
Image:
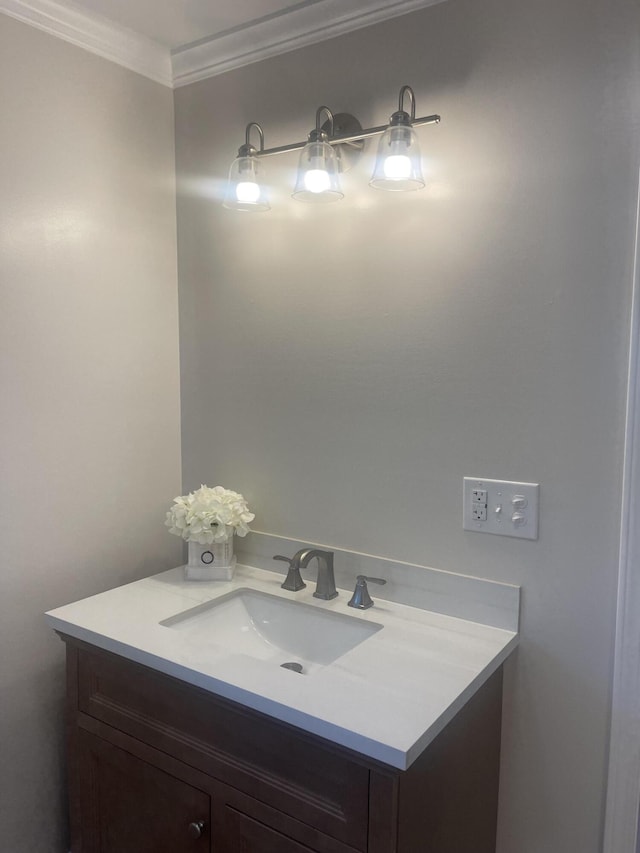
(325, 585)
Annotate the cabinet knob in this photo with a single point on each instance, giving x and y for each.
(196, 829)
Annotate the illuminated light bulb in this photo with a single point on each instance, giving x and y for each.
(397, 167)
(317, 180)
(247, 192)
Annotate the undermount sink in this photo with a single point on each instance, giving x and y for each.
(271, 628)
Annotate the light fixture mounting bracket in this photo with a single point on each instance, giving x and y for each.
(348, 153)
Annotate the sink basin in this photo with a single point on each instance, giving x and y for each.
(271, 628)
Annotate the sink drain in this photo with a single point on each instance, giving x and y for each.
(293, 665)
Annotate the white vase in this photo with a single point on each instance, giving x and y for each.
(215, 562)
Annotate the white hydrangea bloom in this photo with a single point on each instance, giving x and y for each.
(209, 515)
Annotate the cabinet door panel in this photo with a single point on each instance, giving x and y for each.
(238, 833)
(129, 806)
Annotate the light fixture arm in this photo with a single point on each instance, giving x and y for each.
(407, 90)
(249, 150)
(365, 133)
(320, 134)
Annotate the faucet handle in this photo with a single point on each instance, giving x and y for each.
(361, 598)
(293, 582)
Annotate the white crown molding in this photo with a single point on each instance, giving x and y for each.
(305, 25)
(95, 34)
(310, 21)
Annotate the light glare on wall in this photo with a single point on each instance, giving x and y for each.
(328, 150)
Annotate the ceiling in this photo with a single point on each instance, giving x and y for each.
(177, 42)
(175, 23)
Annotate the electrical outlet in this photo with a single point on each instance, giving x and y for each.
(501, 507)
(479, 512)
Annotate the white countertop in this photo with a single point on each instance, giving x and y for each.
(387, 698)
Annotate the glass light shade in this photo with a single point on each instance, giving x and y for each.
(398, 166)
(244, 190)
(318, 174)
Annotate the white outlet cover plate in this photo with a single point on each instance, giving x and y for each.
(503, 501)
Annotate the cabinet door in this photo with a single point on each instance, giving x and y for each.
(129, 806)
(236, 832)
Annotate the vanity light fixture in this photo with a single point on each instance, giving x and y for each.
(244, 190)
(330, 149)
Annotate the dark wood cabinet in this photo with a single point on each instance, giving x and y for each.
(241, 833)
(129, 806)
(159, 766)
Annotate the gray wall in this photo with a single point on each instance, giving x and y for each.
(345, 366)
(89, 458)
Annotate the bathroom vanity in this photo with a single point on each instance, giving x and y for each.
(178, 745)
(157, 765)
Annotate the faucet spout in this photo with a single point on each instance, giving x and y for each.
(326, 584)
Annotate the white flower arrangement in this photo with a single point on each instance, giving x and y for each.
(209, 515)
